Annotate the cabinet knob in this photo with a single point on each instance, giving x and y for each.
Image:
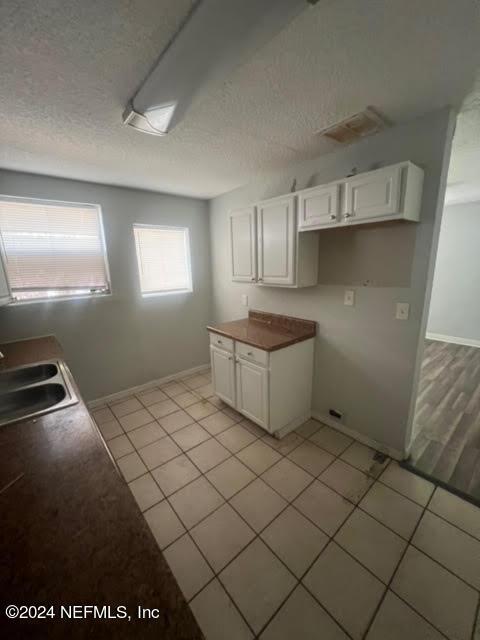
(249, 353)
(348, 215)
(333, 217)
(260, 279)
(252, 279)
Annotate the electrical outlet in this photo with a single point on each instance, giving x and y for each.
(336, 414)
(244, 299)
(403, 311)
(349, 298)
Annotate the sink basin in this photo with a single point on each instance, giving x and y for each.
(16, 405)
(16, 378)
(30, 391)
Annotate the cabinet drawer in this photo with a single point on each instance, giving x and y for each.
(251, 353)
(221, 341)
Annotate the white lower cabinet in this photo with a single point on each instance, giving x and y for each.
(252, 391)
(272, 389)
(223, 374)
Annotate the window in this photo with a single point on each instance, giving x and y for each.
(163, 255)
(52, 249)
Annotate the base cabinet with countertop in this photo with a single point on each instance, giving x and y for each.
(72, 533)
(264, 370)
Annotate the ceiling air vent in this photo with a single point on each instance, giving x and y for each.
(362, 124)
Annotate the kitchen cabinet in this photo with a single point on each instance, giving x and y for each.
(276, 237)
(319, 206)
(269, 246)
(252, 391)
(243, 241)
(266, 248)
(223, 374)
(372, 195)
(272, 389)
(390, 193)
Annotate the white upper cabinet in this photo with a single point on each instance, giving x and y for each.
(319, 206)
(391, 193)
(373, 195)
(243, 244)
(276, 240)
(285, 257)
(267, 247)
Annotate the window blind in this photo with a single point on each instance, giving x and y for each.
(163, 255)
(52, 248)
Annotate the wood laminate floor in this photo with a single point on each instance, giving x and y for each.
(446, 429)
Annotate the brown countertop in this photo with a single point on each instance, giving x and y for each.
(71, 532)
(268, 331)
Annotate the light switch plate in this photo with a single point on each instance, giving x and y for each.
(244, 299)
(403, 311)
(349, 298)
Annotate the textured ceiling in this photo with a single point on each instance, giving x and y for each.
(68, 68)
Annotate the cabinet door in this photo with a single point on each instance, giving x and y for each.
(243, 245)
(372, 195)
(5, 293)
(318, 207)
(252, 391)
(223, 374)
(276, 239)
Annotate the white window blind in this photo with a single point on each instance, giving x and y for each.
(163, 255)
(52, 248)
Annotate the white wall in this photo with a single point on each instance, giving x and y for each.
(455, 302)
(122, 340)
(365, 361)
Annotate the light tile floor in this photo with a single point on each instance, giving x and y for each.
(308, 537)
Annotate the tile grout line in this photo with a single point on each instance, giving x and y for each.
(476, 620)
(289, 503)
(355, 505)
(395, 573)
(258, 535)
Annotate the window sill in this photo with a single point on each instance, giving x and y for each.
(90, 296)
(178, 292)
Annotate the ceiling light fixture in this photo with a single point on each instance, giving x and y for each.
(216, 37)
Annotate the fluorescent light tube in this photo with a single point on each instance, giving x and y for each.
(217, 37)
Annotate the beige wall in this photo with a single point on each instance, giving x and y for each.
(365, 360)
(123, 340)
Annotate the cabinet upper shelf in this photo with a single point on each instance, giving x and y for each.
(267, 248)
(390, 193)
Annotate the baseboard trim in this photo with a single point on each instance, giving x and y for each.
(466, 342)
(360, 437)
(291, 426)
(98, 402)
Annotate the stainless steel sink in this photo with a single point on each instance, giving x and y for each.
(15, 378)
(33, 390)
